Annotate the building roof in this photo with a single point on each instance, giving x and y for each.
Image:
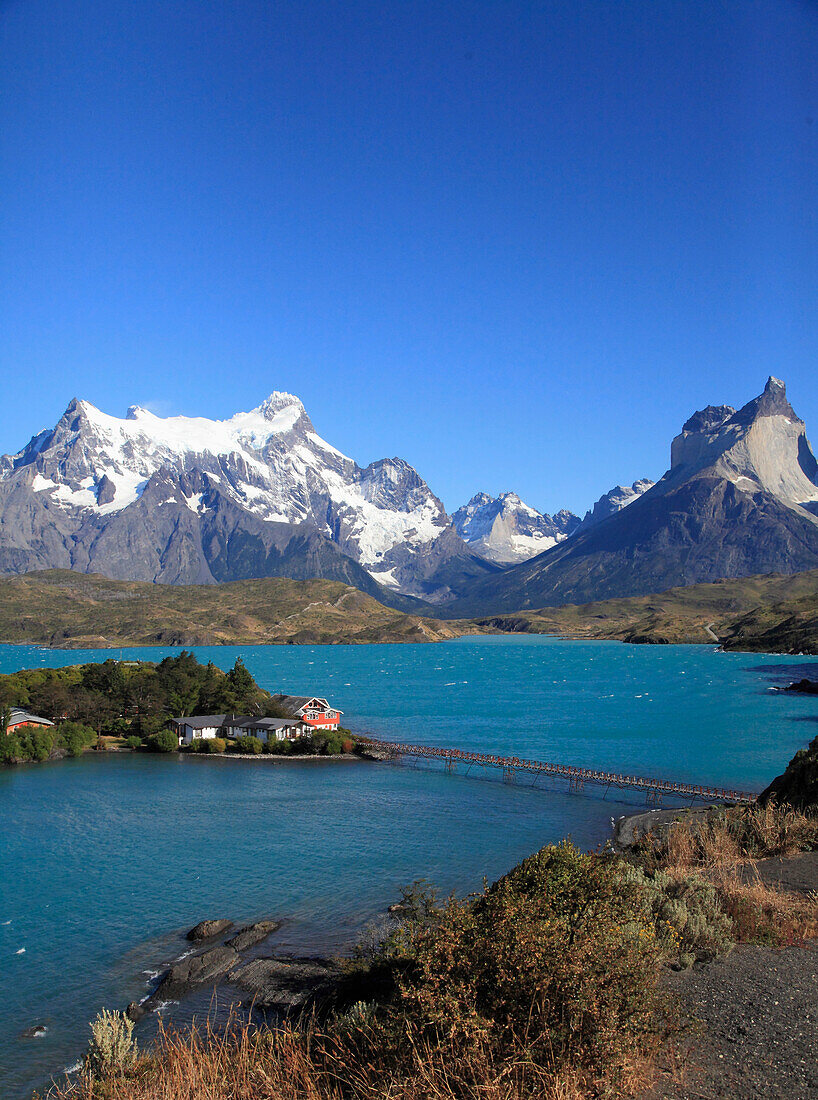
(18, 715)
(270, 723)
(200, 721)
(297, 702)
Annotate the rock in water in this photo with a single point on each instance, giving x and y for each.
(253, 934)
(195, 970)
(206, 929)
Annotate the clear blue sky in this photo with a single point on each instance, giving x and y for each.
(514, 243)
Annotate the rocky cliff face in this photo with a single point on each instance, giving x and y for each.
(505, 529)
(190, 500)
(740, 497)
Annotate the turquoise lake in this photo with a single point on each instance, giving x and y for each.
(106, 860)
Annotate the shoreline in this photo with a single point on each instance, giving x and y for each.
(274, 758)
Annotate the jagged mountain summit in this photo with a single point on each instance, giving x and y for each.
(740, 497)
(191, 500)
(614, 501)
(505, 529)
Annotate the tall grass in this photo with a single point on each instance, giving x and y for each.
(724, 846)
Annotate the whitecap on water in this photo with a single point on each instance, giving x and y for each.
(22, 951)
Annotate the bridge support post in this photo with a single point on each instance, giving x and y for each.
(508, 774)
(450, 765)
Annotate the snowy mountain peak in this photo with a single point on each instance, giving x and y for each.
(268, 464)
(506, 529)
(614, 501)
(277, 402)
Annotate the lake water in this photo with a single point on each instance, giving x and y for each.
(104, 861)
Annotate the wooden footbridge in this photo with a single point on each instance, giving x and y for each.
(512, 766)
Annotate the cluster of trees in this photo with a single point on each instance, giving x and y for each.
(129, 699)
(33, 743)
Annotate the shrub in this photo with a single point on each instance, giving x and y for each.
(557, 962)
(278, 748)
(686, 912)
(214, 745)
(164, 741)
(133, 742)
(112, 1049)
(305, 746)
(248, 745)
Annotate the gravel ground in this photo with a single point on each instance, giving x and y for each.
(759, 1014)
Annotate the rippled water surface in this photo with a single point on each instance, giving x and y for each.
(104, 860)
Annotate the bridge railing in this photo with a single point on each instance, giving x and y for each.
(575, 774)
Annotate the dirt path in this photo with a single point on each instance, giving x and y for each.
(759, 1010)
(759, 1014)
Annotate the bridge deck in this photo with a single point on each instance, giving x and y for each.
(577, 777)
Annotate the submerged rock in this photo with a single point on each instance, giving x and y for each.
(285, 984)
(36, 1031)
(207, 929)
(195, 970)
(252, 934)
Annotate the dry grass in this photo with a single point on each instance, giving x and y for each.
(241, 1063)
(732, 836)
(725, 846)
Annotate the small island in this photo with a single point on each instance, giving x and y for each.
(177, 704)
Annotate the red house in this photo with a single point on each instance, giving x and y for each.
(18, 718)
(311, 709)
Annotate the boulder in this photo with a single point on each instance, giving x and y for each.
(207, 929)
(252, 934)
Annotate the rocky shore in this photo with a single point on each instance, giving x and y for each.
(271, 982)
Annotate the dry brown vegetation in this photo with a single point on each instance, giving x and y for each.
(724, 846)
(78, 610)
(770, 613)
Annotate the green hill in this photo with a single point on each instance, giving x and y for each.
(79, 610)
(771, 613)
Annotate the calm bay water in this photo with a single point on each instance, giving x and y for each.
(105, 860)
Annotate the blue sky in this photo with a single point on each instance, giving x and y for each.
(516, 244)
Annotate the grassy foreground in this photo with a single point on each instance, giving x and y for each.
(546, 984)
(79, 610)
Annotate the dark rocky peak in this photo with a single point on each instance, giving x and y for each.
(565, 521)
(772, 402)
(709, 419)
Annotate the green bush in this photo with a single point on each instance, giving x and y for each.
(305, 746)
(278, 748)
(112, 1049)
(558, 963)
(164, 741)
(10, 749)
(213, 745)
(686, 912)
(250, 746)
(133, 742)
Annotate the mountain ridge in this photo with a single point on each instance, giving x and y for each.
(738, 499)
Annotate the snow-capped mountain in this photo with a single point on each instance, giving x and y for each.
(187, 499)
(740, 497)
(614, 501)
(505, 529)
